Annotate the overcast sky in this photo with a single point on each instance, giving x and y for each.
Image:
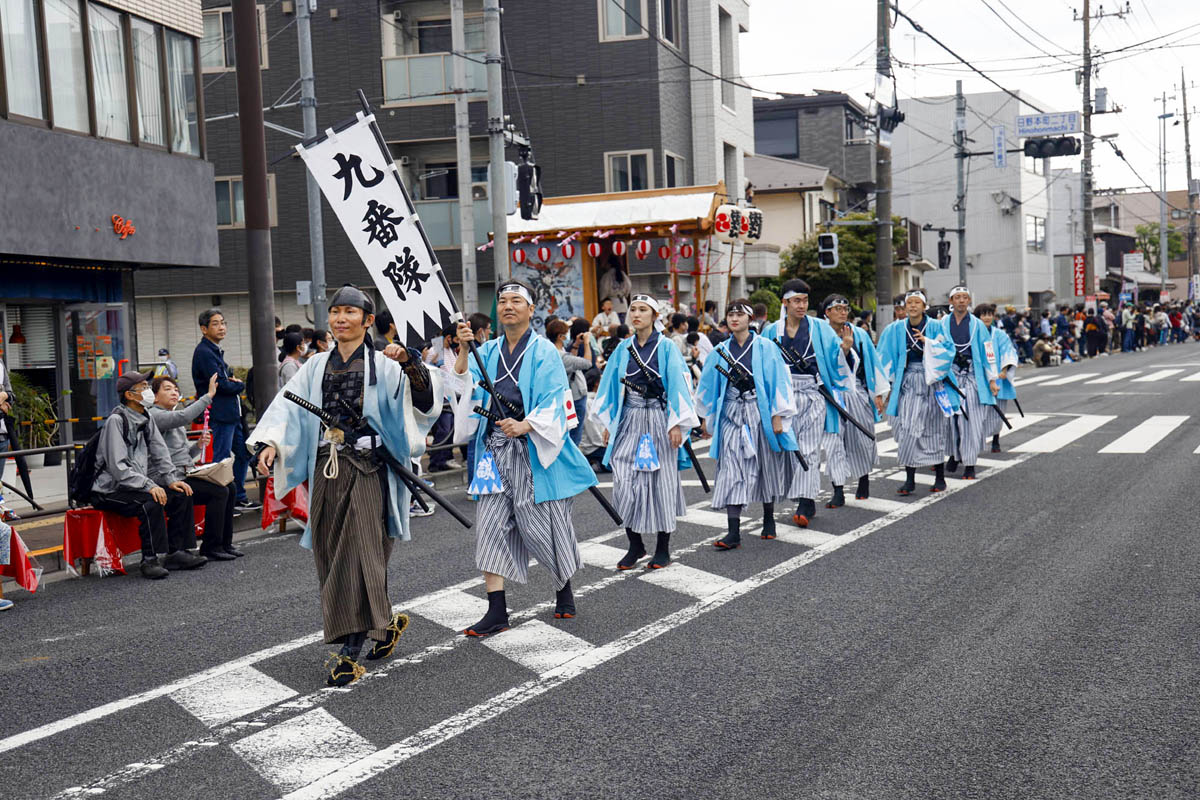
(802, 45)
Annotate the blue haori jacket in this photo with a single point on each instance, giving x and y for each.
(939, 356)
(610, 396)
(832, 366)
(773, 389)
(296, 434)
(893, 355)
(878, 384)
(559, 469)
(1006, 356)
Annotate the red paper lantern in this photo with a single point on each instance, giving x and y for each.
(686, 251)
(518, 256)
(643, 248)
(664, 252)
(594, 249)
(618, 249)
(568, 251)
(544, 254)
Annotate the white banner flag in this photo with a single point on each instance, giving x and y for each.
(359, 180)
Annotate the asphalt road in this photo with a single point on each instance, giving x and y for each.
(1030, 634)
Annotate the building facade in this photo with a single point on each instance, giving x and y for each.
(610, 97)
(1130, 210)
(102, 145)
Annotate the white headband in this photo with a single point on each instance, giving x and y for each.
(740, 308)
(789, 294)
(917, 293)
(648, 300)
(518, 290)
(959, 290)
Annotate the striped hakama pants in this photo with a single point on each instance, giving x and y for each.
(849, 453)
(920, 427)
(649, 502)
(995, 425)
(809, 427)
(748, 470)
(511, 528)
(351, 545)
(965, 433)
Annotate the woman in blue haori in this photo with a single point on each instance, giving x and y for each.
(1006, 362)
(745, 399)
(357, 506)
(963, 354)
(645, 405)
(526, 469)
(818, 359)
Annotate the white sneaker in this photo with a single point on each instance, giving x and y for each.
(415, 510)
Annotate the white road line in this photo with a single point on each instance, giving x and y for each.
(1019, 422)
(686, 580)
(1157, 376)
(1071, 379)
(600, 555)
(1033, 379)
(454, 610)
(882, 426)
(1116, 376)
(379, 762)
(706, 517)
(875, 504)
(924, 478)
(537, 646)
(805, 537)
(295, 753)
(1195, 376)
(1145, 436)
(1064, 434)
(991, 463)
(235, 694)
(888, 446)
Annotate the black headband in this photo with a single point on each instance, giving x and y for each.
(352, 296)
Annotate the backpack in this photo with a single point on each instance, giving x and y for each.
(83, 475)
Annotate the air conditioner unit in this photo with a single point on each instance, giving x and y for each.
(403, 160)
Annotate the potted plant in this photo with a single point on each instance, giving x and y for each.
(31, 408)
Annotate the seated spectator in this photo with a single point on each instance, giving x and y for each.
(218, 501)
(1043, 348)
(606, 318)
(289, 357)
(136, 478)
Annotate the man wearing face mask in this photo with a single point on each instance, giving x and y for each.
(136, 478)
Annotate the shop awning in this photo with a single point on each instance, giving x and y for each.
(688, 208)
(1142, 278)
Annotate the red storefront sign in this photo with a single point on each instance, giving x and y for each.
(1080, 276)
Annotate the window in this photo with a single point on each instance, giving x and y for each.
(728, 67)
(1035, 234)
(776, 137)
(22, 61)
(217, 51)
(68, 69)
(108, 73)
(669, 22)
(629, 172)
(181, 93)
(148, 80)
(673, 171)
(622, 19)
(439, 180)
(231, 207)
(731, 172)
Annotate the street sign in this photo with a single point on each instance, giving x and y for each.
(1164, 296)
(1089, 302)
(1000, 145)
(1125, 297)
(1133, 262)
(1194, 287)
(1079, 266)
(1047, 124)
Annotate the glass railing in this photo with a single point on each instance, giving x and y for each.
(441, 222)
(428, 78)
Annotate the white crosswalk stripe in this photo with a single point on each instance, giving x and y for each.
(1157, 376)
(455, 610)
(1081, 376)
(538, 646)
(1145, 435)
(1032, 379)
(1116, 376)
(1018, 422)
(301, 750)
(1193, 377)
(877, 504)
(925, 478)
(805, 537)
(1064, 434)
(235, 694)
(687, 580)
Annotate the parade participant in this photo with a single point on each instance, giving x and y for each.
(1006, 360)
(644, 429)
(822, 354)
(919, 419)
(357, 505)
(972, 369)
(851, 452)
(745, 400)
(526, 468)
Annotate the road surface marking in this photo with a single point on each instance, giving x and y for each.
(1145, 436)
(1193, 377)
(1033, 379)
(537, 646)
(1157, 376)
(1071, 379)
(235, 694)
(990, 463)
(1116, 376)
(880, 427)
(687, 580)
(295, 753)
(706, 517)
(1064, 434)
(805, 537)
(888, 446)
(455, 610)
(353, 775)
(925, 478)
(600, 555)
(1018, 422)
(875, 504)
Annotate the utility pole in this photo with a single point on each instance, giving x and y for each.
(254, 185)
(308, 108)
(495, 127)
(1163, 239)
(1085, 182)
(1193, 256)
(960, 204)
(462, 139)
(883, 183)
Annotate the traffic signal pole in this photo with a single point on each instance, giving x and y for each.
(462, 140)
(883, 184)
(495, 113)
(960, 204)
(1085, 181)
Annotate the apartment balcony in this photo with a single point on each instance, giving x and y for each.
(441, 221)
(428, 78)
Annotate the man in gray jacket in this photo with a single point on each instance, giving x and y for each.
(135, 478)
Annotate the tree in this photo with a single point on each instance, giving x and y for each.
(1148, 242)
(854, 275)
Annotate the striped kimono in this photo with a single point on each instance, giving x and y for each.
(970, 363)
(918, 421)
(851, 453)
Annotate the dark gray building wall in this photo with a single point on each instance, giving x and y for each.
(60, 188)
(821, 134)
